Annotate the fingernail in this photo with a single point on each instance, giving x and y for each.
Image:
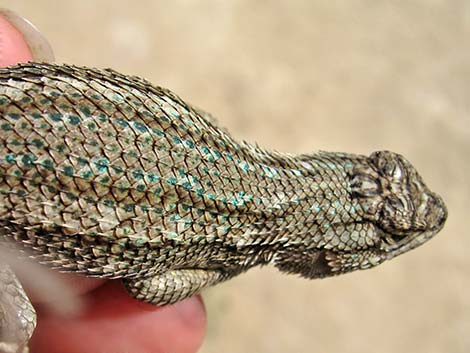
(20, 40)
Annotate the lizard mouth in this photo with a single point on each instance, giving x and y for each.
(394, 245)
(395, 242)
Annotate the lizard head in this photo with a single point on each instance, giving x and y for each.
(396, 201)
(394, 212)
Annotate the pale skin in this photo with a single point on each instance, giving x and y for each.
(136, 326)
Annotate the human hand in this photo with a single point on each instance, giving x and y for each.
(111, 321)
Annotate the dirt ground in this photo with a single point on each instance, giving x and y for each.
(299, 76)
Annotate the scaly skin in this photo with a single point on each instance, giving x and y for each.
(109, 176)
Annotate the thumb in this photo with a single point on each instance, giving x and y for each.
(20, 41)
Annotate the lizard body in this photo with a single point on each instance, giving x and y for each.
(109, 176)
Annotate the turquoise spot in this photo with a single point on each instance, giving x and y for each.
(61, 148)
(6, 127)
(47, 163)
(174, 113)
(28, 160)
(244, 166)
(141, 187)
(138, 174)
(117, 98)
(187, 185)
(14, 116)
(37, 143)
(102, 164)
(105, 179)
(188, 143)
(176, 139)
(129, 207)
(74, 120)
(87, 174)
(237, 202)
(36, 115)
(122, 122)
(89, 200)
(133, 154)
(56, 116)
(171, 235)
(172, 180)
(10, 158)
(186, 207)
(139, 126)
(164, 118)
(86, 111)
(82, 161)
(117, 169)
(102, 117)
(68, 171)
(153, 178)
(158, 132)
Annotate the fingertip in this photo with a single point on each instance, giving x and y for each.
(21, 41)
(13, 46)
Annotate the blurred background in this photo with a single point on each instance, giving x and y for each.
(299, 76)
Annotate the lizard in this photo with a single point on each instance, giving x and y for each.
(107, 175)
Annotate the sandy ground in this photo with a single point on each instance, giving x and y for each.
(299, 76)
